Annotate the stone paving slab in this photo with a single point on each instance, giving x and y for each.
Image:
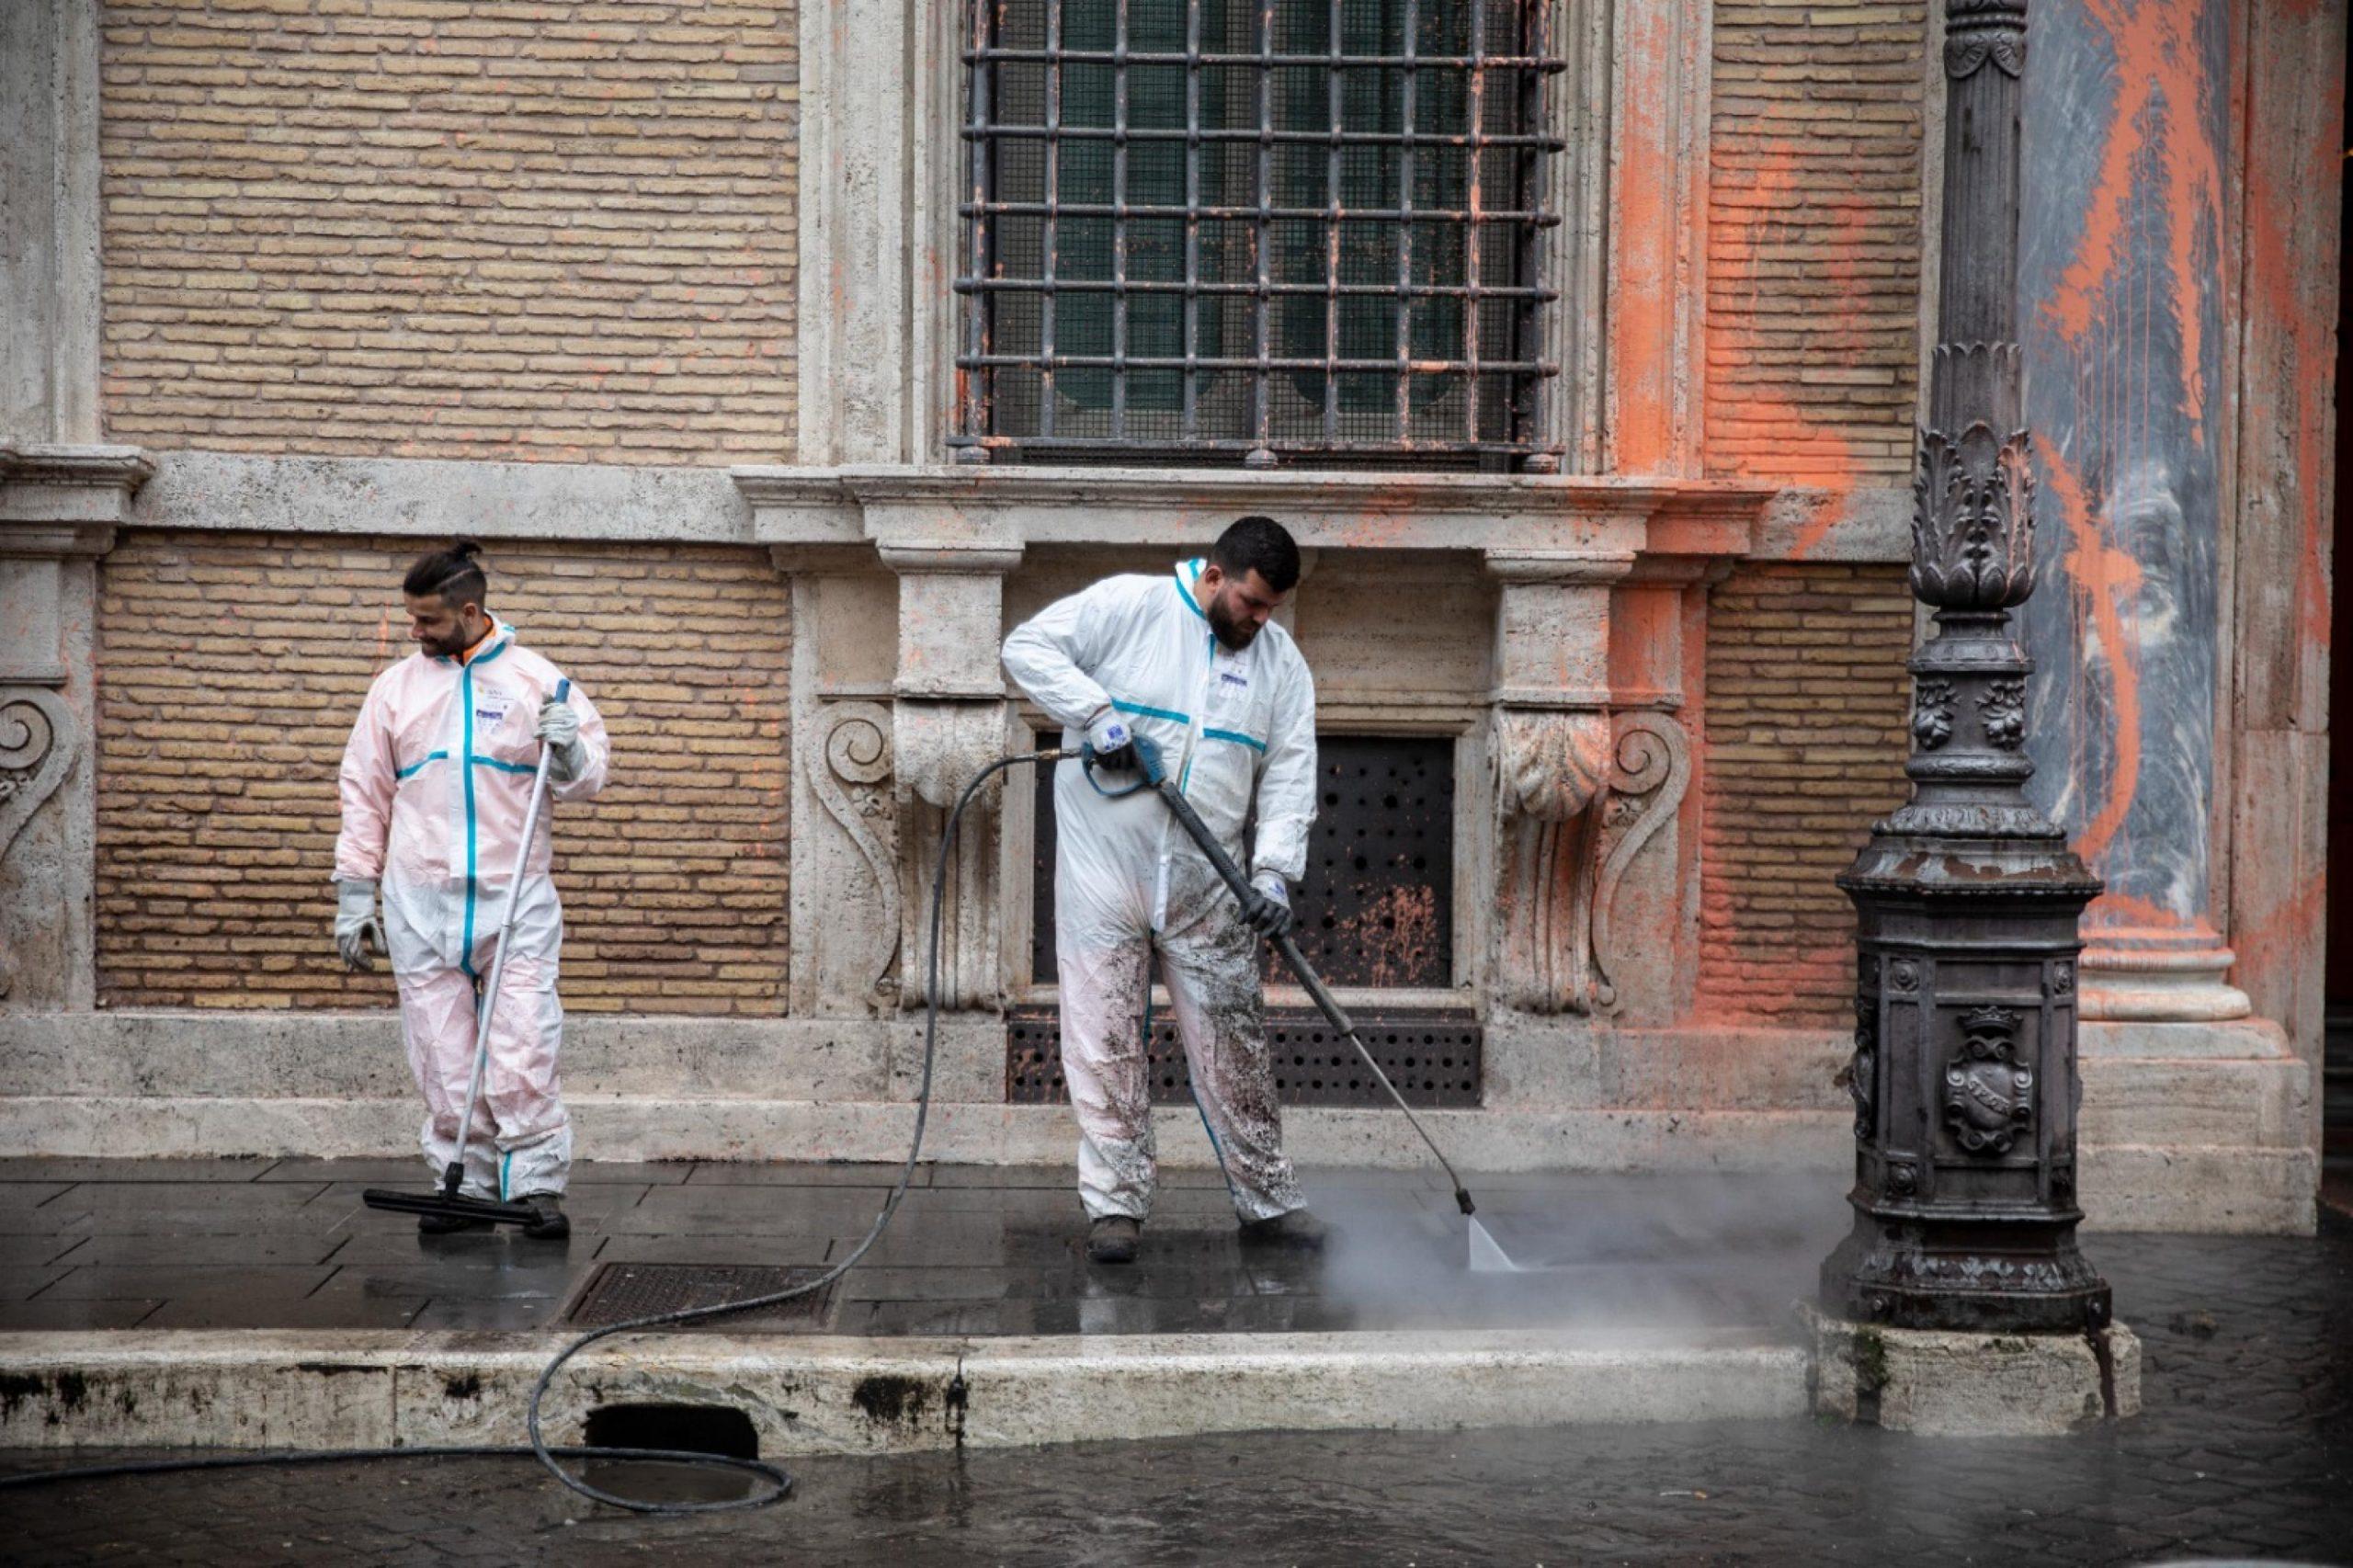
(974, 1250)
(2244, 1449)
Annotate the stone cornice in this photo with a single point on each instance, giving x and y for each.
(66, 500)
(833, 518)
(1010, 507)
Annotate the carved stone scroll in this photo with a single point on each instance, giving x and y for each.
(39, 741)
(851, 778)
(1653, 769)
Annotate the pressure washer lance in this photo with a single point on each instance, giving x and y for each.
(1155, 778)
(448, 1202)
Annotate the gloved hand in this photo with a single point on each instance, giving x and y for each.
(1267, 910)
(559, 726)
(356, 925)
(1108, 737)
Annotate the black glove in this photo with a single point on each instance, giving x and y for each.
(1267, 909)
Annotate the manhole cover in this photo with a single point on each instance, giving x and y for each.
(618, 1291)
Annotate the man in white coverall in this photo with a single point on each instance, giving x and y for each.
(436, 778)
(1187, 661)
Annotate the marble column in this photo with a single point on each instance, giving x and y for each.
(2122, 327)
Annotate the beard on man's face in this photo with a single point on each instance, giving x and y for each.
(1235, 633)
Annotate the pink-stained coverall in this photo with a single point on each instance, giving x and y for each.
(436, 778)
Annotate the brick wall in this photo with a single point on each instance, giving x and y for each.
(450, 228)
(1806, 701)
(232, 666)
(1814, 251)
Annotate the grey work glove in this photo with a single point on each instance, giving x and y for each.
(1267, 910)
(356, 926)
(559, 726)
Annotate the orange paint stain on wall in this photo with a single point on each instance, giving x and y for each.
(2103, 579)
(2161, 79)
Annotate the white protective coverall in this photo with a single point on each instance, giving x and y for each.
(436, 778)
(1232, 727)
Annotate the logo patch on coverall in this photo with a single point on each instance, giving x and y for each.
(491, 709)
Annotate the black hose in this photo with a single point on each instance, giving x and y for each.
(779, 1480)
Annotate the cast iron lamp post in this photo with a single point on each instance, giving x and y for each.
(1967, 899)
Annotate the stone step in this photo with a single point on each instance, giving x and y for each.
(287, 1388)
(2227, 1187)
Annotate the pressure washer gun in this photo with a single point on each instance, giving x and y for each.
(1155, 778)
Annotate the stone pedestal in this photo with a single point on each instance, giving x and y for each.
(1941, 1384)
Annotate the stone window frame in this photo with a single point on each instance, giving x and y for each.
(882, 176)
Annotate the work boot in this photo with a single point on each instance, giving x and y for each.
(547, 1222)
(1112, 1239)
(448, 1224)
(1297, 1231)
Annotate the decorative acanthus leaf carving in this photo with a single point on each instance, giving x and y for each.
(943, 743)
(1550, 763)
(854, 738)
(1580, 793)
(1973, 522)
(1979, 31)
(37, 742)
(1550, 766)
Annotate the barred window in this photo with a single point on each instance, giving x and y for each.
(1212, 230)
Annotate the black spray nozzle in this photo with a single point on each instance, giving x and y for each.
(1463, 1202)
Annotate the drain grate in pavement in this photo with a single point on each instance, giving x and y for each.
(618, 1291)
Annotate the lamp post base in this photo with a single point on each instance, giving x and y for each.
(1946, 1384)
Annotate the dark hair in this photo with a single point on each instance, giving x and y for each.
(1261, 545)
(453, 574)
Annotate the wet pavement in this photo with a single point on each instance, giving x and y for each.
(974, 1250)
(2244, 1451)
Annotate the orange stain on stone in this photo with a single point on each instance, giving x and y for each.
(2104, 578)
(2160, 77)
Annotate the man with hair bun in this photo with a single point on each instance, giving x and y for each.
(436, 778)
(1188, 663)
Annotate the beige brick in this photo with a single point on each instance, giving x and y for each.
(1813, 240)
(1806, 721)
(557, 211)
(217, 806)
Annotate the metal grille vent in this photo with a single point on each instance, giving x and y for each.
(1256, 227)
(618, 1291)
(1434, 1060)
(1376, 905)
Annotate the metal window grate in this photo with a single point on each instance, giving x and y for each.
(1435, 1059)
(1255, 229)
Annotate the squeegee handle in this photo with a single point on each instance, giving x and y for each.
(454, 1174)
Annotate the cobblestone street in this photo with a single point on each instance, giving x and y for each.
(2245, 1451)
